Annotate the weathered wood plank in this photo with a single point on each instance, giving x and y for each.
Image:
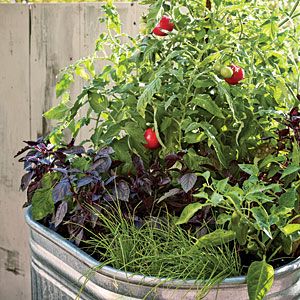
(55, 44)
(14, 127)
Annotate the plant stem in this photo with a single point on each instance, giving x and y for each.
(290, 14)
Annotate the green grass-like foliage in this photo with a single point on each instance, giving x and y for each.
(158, 247)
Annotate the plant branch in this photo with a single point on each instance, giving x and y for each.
(290, 16)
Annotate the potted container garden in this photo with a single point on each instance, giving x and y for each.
(188, 186)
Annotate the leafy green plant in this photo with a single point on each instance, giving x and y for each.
(197, 118)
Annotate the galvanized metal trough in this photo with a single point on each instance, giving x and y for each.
(58, 268)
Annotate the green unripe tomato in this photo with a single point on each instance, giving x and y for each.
(217, 67)
(226, 72)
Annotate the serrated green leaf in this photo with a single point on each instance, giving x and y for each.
(57, 113)
(147, 95)
(42, 203)
(249, 169)
(260, 279)
(81, 163)
(98, 102)
(204, 101)
(209, 131)
(64, 84)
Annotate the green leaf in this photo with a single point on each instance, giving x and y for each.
(249, 169)
(290, 229)
(288, 199)
(216, 198)
(98, 102)
(42, 203)
(260, 279)
(57, 113)
(81, 163)
(203, 83)
(80, 71)
(146, 97)
(221, 185)
(290, 170)
(49, 179)
(193, 160)
(223, 218)
(296, 154)
(63, 84)
(189, 211)
(262, 220)
(204, 101)
(216, 238)
(209, 131)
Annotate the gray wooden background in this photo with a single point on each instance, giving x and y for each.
(36, 41)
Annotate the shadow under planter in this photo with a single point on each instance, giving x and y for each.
(58, 268)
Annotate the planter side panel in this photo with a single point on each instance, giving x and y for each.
(58, 267)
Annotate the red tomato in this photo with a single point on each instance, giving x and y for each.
(165, 24)
(158, 32)
(238, 75)
(151, 139)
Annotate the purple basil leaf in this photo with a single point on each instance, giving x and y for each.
(188, 181)
(61, 170)
(61, 190)
(78, 237)
(84, 181)
(164, 181)
(33, 186)
(74, 150)
(138, 165)
(26, 180)
(74, 171)
(170, 194)
(34, 143)
(102, 164)
(108, 197)
(94, 173)
(122, 191)
(22, 151)
(45, 161)
(109, 180)
(95, 197)
(60, 213)
(105, 152)
(116, 163)
(171, 160)
(145, 185)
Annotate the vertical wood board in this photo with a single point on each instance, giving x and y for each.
(14, 127)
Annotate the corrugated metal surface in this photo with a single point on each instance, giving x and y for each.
(58, 268)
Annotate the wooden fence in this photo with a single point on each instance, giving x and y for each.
(36, 41)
